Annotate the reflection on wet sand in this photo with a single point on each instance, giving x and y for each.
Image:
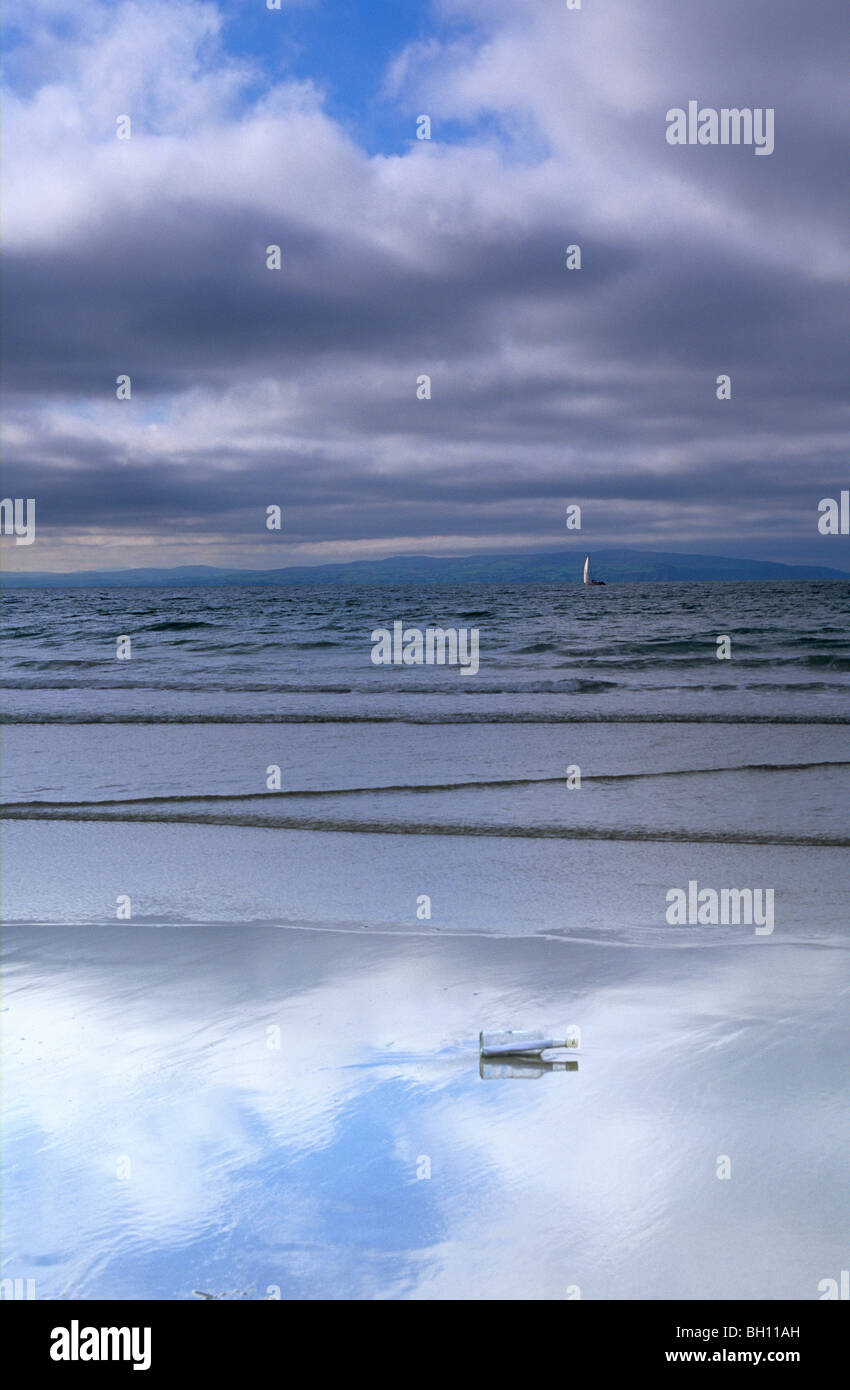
(521, 1068)
(248, 1108)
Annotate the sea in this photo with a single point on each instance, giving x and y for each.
(260, 895)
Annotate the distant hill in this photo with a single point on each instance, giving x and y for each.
(557, 567)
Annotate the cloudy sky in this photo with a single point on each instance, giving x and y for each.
(402, 257)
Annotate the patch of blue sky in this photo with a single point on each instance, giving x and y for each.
(344, 47)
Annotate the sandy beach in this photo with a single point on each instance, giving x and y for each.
(240, 1021)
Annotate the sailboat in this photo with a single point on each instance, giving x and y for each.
(588, 573)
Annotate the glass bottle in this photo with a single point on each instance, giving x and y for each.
(525, 1042)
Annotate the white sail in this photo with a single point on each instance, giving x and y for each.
(587, 575)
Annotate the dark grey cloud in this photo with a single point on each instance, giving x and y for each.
(548, 386)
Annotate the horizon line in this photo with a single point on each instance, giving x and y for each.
(476, 558)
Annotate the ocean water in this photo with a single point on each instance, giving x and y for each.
(560, 653)
(235, 1089)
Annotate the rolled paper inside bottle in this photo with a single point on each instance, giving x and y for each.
(524, 1048)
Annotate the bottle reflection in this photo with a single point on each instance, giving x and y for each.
(520, 1068)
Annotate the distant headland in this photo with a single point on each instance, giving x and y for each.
(556, 567)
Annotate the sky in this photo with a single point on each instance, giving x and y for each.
(402, 258)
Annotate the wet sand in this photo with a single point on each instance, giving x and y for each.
(244, 1110)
